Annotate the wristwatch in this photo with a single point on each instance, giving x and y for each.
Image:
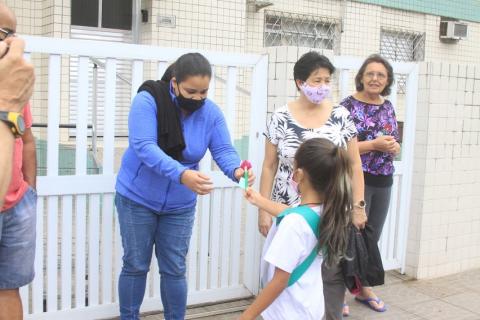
(14, 121)
(360, 204)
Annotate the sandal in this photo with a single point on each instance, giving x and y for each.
(368, 304)
(345, 310)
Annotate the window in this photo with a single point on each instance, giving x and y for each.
(404, 46)
(115, 14)
(288, 29)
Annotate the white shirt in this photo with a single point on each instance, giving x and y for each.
(286, 247)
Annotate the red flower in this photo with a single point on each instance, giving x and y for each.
(245, 165)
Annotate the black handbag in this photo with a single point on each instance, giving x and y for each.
(362, 265)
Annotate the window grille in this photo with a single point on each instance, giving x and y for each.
(404, 46)
(300, 30)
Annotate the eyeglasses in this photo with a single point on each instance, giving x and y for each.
(5, 33)
(379, 75)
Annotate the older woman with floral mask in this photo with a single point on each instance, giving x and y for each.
(311, 115)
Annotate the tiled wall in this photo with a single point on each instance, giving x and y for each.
(444, 235)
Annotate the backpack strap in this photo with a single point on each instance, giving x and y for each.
(313, 220)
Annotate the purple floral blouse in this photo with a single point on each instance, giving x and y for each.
(374, 120)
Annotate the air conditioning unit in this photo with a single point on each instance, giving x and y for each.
(453, 30)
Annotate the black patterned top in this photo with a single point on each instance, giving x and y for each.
(284, 132)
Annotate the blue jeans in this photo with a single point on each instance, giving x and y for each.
(141, 228)
(17, 242)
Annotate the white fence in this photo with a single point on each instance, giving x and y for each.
(78, 255)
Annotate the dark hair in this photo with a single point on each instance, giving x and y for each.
(188, 65)
(168, 74)
(329, 171)
(378, 59)
(308, 63)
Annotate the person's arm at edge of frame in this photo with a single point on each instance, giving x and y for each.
(16, 86)
(6, 157)
(29, 163)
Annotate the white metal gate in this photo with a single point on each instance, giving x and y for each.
(393, 241)
(78, 256)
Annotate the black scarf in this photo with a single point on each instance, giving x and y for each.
(169, 128)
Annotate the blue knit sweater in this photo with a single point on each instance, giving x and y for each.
(150, 177)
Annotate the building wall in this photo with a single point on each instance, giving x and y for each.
(444, 235)
(444, 232)
(235, 25)
(464, 10)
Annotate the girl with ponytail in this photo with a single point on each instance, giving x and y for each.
(305, 236)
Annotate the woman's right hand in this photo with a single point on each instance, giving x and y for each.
(197, 182)
(264, 222)
(384, 143)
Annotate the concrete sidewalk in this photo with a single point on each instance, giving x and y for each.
(455, 297)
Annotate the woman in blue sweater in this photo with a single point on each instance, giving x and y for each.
(171, 126)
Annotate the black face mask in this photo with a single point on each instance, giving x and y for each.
(189, 104)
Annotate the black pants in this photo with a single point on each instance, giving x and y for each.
(333, 291)
(378, 200)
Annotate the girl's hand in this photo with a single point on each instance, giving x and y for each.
(197, 182)
(239, 174)
(252, 196)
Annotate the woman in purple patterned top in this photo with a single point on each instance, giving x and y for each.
(378, 137)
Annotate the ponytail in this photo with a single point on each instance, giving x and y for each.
(329, 171)
(337, 210)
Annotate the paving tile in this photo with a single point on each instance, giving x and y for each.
(469, 280)
(440, 310)
(401, 295)
(467, 300)
(392, 313)
(453, 297)
(437, 288)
